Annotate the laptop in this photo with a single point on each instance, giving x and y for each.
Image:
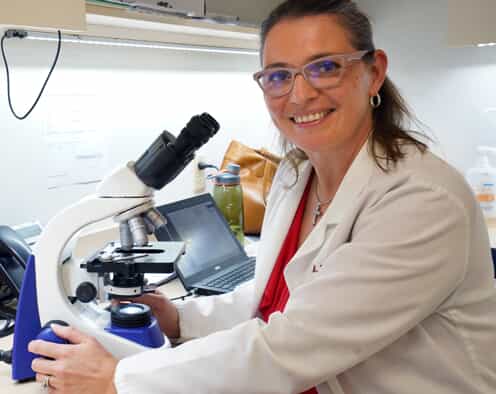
(215, 262)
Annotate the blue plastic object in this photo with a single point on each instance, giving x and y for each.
(150, 336)
(47, 334)
(27, 325)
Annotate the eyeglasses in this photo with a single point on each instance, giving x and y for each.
(322, 73)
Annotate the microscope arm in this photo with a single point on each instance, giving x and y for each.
(53, 300)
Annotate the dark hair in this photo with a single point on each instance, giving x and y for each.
(388, 119)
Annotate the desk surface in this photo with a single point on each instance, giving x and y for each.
(84, 245)
(173, 289)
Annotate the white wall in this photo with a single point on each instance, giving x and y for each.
(119, 100)
(125, 97)
(449, 89)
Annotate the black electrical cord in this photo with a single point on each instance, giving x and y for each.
(202, 166)
(188, 294)
(7, 312)
(23, 34)
(7, 329)
(5, 292)
(6, 356)
(8, 315)
(164, 281)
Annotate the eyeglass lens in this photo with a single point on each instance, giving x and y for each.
(324, 73)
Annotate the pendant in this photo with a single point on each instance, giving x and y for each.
(316, 213)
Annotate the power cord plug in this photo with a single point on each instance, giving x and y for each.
(15, 33)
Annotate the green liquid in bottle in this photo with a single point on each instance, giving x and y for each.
(229, 199)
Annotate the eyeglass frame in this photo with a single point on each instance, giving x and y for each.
(294, 71)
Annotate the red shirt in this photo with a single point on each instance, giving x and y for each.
(276, 292)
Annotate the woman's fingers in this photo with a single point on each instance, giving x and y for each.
(47, 349)
(84, 367)
(146, 298)
(71, 334)
(150, 296)
(51, 382)
(43, 366)
(153, 300)
(40, 377)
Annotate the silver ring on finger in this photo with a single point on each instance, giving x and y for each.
(45, 384)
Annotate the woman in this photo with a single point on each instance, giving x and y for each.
(373, 275)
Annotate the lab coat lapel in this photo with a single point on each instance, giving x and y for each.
(287, 200)
(353, 183)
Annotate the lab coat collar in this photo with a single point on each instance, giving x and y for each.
(287, 200)
(353, 183)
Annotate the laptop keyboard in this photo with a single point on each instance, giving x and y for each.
(231, 279)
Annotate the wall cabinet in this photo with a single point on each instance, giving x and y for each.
(67, 15)
(249, 12)
(471, 22)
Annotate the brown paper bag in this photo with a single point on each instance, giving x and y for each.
(258, 167)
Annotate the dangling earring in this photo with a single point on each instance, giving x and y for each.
(375, 101)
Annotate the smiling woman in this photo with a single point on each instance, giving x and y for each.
(374, 272)
(391, 112)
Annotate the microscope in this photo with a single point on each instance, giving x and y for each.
(61, 290)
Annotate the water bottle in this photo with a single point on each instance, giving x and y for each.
(228, 196)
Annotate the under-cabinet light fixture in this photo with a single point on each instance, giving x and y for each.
(119, 42)
(486, 44)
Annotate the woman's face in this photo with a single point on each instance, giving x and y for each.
(347, 112)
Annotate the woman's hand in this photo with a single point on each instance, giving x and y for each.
(83, 366)
(164, 311)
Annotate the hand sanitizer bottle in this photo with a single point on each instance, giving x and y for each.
(482, 179)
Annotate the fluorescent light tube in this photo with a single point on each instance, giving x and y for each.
(117, 42)
(486, 44)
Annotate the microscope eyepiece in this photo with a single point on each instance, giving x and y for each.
(196, 133)
(168, 155)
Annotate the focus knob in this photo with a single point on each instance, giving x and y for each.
(86, 292)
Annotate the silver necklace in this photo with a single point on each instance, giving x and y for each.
(316, 211)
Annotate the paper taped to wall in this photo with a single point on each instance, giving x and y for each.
(75, 147)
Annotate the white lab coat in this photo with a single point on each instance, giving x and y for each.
(402, 300)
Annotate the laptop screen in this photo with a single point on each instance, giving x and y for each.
(210, 244)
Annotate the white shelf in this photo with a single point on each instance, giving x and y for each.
(117, 22)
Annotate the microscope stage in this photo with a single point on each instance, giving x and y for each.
(156, 257)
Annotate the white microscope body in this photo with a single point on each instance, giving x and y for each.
(118, 193)
(124, 195)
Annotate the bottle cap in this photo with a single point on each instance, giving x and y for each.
(233, 168)
(226, 178)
